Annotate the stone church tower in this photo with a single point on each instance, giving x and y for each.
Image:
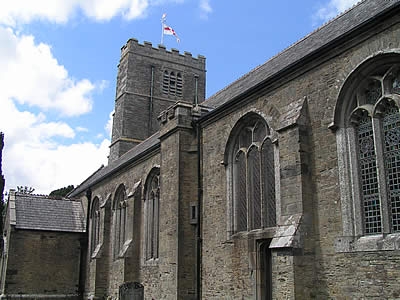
(149, 81)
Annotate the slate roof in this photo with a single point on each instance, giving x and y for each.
(38, 212)
(135, 153)
(345, 23)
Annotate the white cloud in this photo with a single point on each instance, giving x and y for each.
(31, 77)
(333, 8)
(31, 157)
(205, 8)
(17, 12)
(81, 129)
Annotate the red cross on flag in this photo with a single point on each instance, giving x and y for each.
(169, 31)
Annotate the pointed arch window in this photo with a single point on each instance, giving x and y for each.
(152, 203)
(120, 219)
(95, 226)
(369, 143)
(251, 171)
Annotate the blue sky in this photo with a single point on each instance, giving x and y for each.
(58, 67)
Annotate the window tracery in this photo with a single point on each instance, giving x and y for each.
(95, 225)
(120, 219)
(152, 202)
(251, 169)
(373, 130)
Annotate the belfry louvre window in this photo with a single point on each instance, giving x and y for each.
(172, 84)
(375, 119)
(95, 225)
(252, 175)
(120, 219)
(152, 202)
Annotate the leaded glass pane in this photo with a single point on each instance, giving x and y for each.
(240, 192)
(123, 225)
(150, 228)
(259, 132)
(245, 138)
(254, 187)
(268, 179)
(373, 92)
(156, 221)
(391, 127)
(368, 176)
(95, 234)
(394, 80)
(153, 200)
(119, 220)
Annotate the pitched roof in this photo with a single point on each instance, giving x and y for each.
(38, 212)
(133, 154)
(345, 23)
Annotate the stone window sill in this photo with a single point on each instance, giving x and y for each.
(379, 242)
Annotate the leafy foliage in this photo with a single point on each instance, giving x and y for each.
(62, 192)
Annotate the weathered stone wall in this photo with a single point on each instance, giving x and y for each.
(43, 263)
(316, 269)
(139, 96)
(178, 192)
(132, 267)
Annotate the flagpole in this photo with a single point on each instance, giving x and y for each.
(162, 28)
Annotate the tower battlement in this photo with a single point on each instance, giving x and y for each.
(151, 79)
(161, 52)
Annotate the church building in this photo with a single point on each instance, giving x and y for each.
(283, 185)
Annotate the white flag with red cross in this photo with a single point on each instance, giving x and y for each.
(167, 30)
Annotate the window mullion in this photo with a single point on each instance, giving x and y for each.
(248, 206)
(380, 165)
(354, 179)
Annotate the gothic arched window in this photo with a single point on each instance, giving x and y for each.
(152, 202)
(120, 219)
(369, 144)
(251, 172)
(95, 225)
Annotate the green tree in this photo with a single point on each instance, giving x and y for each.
(62, 192)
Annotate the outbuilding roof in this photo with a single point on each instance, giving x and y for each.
(39, 212)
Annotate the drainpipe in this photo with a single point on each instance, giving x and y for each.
(196, 84)
(199, 219)
(150, 125)
(84, 241)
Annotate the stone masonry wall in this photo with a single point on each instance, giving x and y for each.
(132, 267)
(139, 96)
(43, 263)
(225, 271)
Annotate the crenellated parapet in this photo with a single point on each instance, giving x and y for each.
(161, 51)
(150, 80)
